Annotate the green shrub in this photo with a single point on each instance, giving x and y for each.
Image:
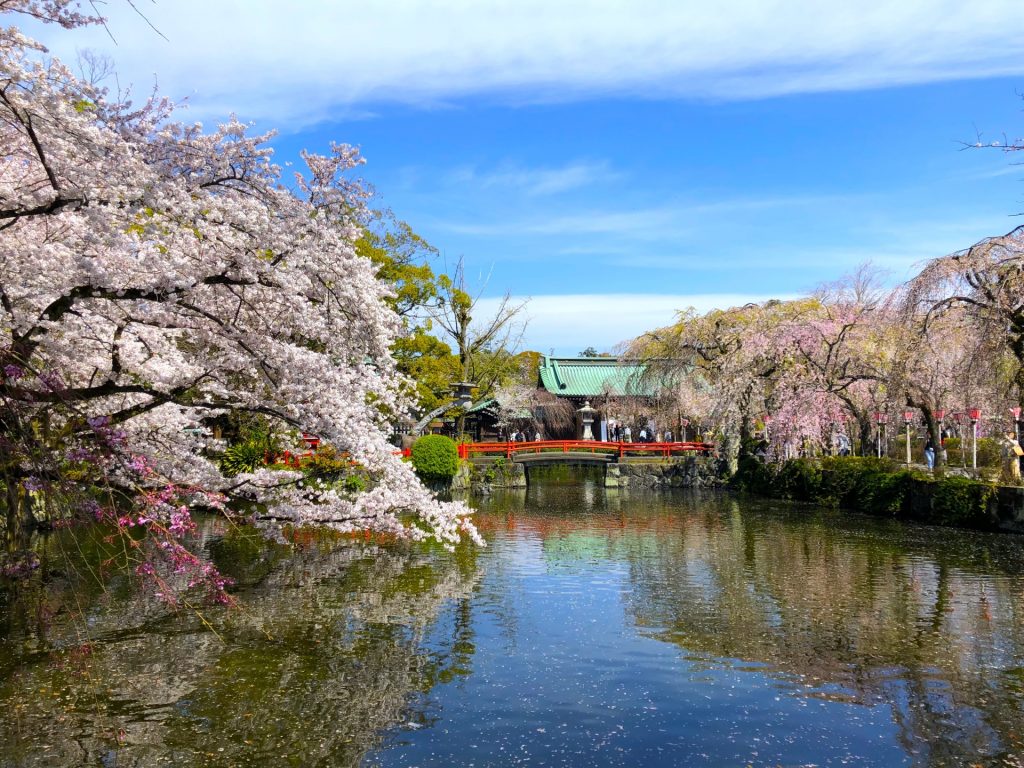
(842, 474)
(898, 448)
(354, 483)
(872, 486)
(882, 493)
(962, 501)
(755, 476)
(435, 457)
(243, 457)
(799, 479)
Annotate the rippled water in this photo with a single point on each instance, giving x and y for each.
(598, 628)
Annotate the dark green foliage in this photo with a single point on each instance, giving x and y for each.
(243, 457)
(253, 439)
(241, 427)
(800, 479)
(435, 457)
(755, 476)
(842, 475)
(873, 486)
(882, 493)
(962, 501)
(327, 464)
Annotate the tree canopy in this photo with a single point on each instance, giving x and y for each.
(155, 274)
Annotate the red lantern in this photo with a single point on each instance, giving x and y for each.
(908, 416)
(1016, 413)
(881, 418)
(940, 414)
(974, 413)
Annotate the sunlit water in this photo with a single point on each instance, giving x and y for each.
(596, 629)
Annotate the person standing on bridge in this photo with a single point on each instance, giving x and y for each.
(668, 435)
(537, 437)
(627, 434)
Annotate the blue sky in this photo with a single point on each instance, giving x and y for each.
(615, 162)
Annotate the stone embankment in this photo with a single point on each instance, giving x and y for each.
(484, 478)
(685, 472)
(689, 472)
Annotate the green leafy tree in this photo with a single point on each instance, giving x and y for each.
(485, 347)
(403, 260)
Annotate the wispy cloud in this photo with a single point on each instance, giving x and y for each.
(315, 60)
(639, 223)
(672, 219)
(535, 182)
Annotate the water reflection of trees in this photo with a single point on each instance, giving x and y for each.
(846, 614)
(325, 650)
(927, 621)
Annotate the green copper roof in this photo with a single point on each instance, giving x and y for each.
(482, 405)
(591, 377)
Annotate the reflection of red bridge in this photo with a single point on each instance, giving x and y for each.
(563, 450)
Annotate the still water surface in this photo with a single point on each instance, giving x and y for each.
(596, 629)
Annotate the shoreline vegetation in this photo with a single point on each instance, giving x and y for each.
(882, 487)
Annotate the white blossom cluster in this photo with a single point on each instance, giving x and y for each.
(155, 274)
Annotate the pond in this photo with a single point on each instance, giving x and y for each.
(598, 628)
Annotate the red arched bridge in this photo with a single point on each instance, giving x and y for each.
(576, 451)
(535, 452)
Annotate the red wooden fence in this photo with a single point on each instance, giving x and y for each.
(468, 450)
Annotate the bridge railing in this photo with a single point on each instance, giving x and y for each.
(621, 450)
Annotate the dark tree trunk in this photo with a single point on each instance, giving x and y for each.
(868, 445)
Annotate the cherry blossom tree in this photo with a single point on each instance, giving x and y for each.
(733, 351)
(808, 364)
(987, 280)
(154, 274)
(839, 353)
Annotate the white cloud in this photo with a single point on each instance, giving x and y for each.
(296, 63)
(672, 219)
(534, 181)
(572, 322)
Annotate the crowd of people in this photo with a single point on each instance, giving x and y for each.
(616, 433)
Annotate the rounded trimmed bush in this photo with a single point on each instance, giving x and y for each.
(435, 457)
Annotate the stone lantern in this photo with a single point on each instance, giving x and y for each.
(461, 393)
(587, 417)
